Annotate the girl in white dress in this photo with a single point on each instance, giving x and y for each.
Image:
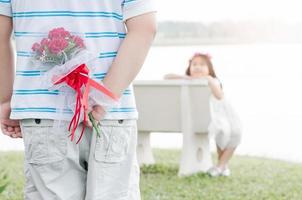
(225, 125)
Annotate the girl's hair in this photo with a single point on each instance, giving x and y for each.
(207, 58)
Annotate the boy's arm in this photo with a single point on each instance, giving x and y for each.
(9, 127)
(132, 52)
(7, 59)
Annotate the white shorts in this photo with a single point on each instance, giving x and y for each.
(97, 168)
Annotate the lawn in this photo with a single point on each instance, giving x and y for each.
(252, 179)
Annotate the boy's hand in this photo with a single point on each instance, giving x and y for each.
(98, 113)
(9, 127)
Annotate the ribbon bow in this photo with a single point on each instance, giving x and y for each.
(78, 79)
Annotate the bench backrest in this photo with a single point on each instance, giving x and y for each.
(172, 105)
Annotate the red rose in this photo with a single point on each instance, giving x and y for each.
(58, 33)
(45, 42)
(78, 41)
(36, 46)
(57, 45)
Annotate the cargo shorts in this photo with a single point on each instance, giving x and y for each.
(101, 167)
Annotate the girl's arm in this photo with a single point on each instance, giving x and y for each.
(175, 76)
(215, 87)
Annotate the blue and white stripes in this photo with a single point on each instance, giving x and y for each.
(66, 110)
(37, 73)
(99, 75)
(125, 2)
(102, 26)
(48, 92)
(36, 92)
(25, 54)
(84, 35)
(5, 1)
(102, 55)
(104, 34)
(41, 109)
(126, 109)
(67, 13)
(108, 54)
(30, 72)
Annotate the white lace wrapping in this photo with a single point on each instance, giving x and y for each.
(67, 95)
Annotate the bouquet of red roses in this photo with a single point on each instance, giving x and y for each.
(68, 60)
(58, 48)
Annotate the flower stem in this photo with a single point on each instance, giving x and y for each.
(95, 124)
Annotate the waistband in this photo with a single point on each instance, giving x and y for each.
(50, 122)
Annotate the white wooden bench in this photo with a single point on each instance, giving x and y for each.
(175, 106)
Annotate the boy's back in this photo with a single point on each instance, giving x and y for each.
(99, 23)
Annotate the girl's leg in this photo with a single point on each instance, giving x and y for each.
(214, 171)
(219, 152)
(225, 157)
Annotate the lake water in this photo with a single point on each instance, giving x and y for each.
(262, 81)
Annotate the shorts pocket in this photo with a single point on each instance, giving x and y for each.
(42, 144)
(113, 144)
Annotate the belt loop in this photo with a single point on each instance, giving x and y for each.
(37, 121)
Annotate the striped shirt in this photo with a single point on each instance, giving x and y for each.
(101, 23)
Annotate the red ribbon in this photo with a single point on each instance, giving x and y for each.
(77, 79)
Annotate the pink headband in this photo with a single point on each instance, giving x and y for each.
(202, 54)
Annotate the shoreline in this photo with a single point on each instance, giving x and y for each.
(196, 42)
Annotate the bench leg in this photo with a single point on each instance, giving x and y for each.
(144, 150)
(196, 154)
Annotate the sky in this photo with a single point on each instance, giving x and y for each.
(220, 10)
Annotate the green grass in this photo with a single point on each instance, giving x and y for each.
(3, 180)
(12, 163)
(252, 179)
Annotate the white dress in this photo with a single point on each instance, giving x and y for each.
(225, 125)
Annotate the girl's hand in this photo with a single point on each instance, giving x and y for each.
(209, 78)
(189, 77)
(176, 76)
